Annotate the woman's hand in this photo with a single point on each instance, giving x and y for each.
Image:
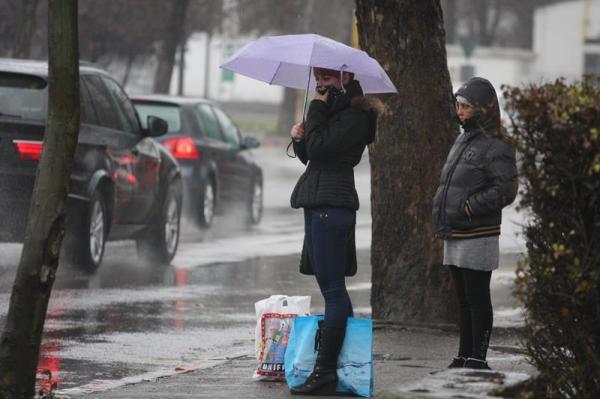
(297, 132)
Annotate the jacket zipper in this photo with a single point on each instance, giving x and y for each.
(442, 214)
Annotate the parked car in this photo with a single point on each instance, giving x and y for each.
(124, 184)
(218, 169)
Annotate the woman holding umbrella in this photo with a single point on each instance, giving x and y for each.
(339, 124)
(478, 180)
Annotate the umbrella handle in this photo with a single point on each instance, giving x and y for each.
(287, 150)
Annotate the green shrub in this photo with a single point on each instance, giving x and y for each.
(557, 130)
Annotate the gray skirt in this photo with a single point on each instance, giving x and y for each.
(477, 253)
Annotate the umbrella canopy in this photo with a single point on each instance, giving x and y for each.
(287, 61)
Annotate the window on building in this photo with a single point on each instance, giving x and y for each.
(592, 64)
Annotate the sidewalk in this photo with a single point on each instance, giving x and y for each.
(410, 362)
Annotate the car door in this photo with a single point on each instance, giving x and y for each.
(121, 149)
(236, 162)
(145, 153)
(214, 144)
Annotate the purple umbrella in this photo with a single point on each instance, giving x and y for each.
(287, 61)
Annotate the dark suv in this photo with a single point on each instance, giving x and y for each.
(124, 184)
(219, 171)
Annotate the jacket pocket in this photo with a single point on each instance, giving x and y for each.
(461, 212)
(454, 213)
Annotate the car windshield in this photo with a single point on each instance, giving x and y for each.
(23, 97)
(170, 113)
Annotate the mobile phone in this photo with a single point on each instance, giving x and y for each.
(322, 89)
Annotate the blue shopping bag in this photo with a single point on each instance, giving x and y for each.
(355, 363)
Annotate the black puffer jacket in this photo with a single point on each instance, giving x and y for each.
(334, 140)
(480, 174)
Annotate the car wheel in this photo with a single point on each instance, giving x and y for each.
(206, 208)
(255, 203)
(159, 245)
(85, 242)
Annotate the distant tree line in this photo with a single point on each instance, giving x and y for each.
(124, 31)
(154, 32)
(131, 32)
(502, 23)
(137, 29)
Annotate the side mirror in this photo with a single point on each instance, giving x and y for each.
(156, 126)
(249, 142)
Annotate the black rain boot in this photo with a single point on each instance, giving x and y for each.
(323, 380)
(457, 362)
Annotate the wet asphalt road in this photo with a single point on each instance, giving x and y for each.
(129, 320)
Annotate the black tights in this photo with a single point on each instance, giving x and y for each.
(475, 306)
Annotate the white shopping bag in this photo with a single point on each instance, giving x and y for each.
(274, 316)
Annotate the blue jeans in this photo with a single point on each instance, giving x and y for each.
(327, 232)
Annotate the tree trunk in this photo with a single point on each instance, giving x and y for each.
(168, 48)
(207, 66)
(28, 15)
(413, 139)
(181, 69)
(128, 66)
(20, 343)
(486, 35)
(287, 112)
(449, 7)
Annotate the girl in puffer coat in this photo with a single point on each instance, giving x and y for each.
(478, 179)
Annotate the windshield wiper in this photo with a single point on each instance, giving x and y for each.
(2, 114)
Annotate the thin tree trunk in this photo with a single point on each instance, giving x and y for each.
(287, 111)
(181, 69)
(168, 48)
(450, 20)
(20, 343)
(413, 139)
(130, 60)
(207, 66)
(487, 30)
(22, 43)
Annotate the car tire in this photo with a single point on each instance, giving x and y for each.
(85, 242)
(206, 206)
(255, 203)
(159, 245)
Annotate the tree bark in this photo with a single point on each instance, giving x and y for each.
(413, 138)
(174, 36)
(21, 338)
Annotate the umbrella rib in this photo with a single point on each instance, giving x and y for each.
(275, 74)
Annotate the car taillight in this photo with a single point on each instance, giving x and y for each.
(27, 149)
(182, 148)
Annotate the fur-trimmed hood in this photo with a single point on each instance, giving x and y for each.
(373, 107)
(368, 103)
(355, 98)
